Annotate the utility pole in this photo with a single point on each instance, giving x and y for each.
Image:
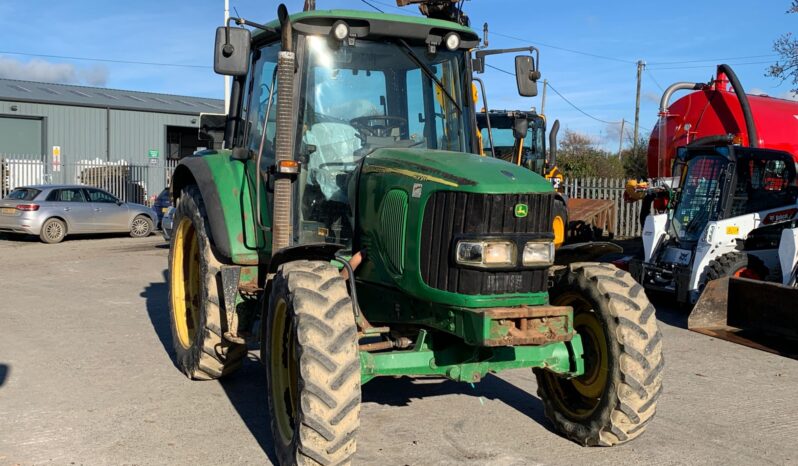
(640, 66)
(620, 143)
(226, 78)
(543, 98)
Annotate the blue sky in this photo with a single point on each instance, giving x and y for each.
(680, 42)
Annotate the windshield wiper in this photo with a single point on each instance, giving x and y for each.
(428, 72)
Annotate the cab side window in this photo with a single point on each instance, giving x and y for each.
(261, 82)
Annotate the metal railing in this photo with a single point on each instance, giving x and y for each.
(129, 182)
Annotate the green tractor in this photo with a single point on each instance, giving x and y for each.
(352, 229)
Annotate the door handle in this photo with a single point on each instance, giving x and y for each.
(66, 209)
(98, 210)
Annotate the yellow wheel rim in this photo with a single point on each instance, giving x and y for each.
(185, 282)
(558, 226)
(579, 397)
(284, 372)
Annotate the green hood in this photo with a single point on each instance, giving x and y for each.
(458, 170)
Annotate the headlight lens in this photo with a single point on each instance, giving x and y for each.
(538, 253)
(486, 253)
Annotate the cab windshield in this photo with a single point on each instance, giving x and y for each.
(700, 196)
(364, 97)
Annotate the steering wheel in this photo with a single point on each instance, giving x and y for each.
(361, 124)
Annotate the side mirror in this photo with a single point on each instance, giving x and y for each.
(520, 128)
(211, 129)
(231, 52)
(526, 76)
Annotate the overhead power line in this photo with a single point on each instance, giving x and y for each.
(711, 65)
(589, 54)
(104, 60)
(371, 5)
(715, 60)
(651, 75)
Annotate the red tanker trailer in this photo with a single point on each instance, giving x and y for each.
(713, 110)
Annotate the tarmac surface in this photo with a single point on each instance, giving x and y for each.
(87, 377)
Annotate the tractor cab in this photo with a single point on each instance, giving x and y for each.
(363, 92)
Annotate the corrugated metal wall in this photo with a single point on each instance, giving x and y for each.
(134, 134)
(79, 131)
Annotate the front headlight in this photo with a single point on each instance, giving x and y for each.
(538, 253)
(486, 253)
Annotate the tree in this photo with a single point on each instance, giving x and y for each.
(579, 157)
(787, 48)
(635, 160)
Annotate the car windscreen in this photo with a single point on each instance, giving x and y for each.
(23, 194)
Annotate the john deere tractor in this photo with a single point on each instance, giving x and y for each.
(351, 227)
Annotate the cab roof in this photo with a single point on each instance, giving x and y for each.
(378, 24)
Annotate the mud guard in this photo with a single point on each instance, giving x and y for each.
(227, 192)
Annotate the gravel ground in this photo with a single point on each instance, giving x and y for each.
(86, 377)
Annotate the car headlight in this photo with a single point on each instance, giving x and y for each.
(486, 253)
(538, 253)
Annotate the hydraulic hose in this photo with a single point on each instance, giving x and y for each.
(750, 127)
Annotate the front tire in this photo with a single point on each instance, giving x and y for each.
(736, 264)
(141, 226)
(197, 320)
(616, 397)
(312, 365)
(53, 231)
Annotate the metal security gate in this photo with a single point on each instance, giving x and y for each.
(130, 183)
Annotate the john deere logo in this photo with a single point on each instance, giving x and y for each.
(521, 210)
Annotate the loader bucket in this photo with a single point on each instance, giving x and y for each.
(754, 313)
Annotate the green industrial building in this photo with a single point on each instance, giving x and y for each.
(88, 123)
(124, 141)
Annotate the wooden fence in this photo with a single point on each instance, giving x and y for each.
(628, 218)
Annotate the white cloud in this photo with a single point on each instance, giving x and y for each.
(44, 71)
(651, 97)
(787, 95)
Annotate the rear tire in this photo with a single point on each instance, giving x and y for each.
(312, 365)
(197, 319)
(53, 231)
(735, 264)
(616, 397)
(141, 227)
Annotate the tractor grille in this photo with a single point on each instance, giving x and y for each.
(450, 214)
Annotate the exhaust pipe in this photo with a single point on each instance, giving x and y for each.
(551, 160)
(282, 229)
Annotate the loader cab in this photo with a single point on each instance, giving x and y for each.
(518, 137)
(728, 181)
